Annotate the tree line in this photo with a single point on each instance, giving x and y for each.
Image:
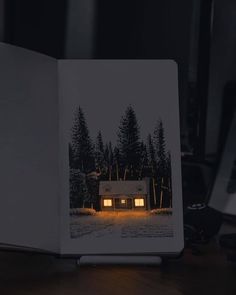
(130, 159)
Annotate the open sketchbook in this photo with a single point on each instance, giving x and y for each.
(89, 155)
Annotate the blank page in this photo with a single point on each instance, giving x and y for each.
(28, 149)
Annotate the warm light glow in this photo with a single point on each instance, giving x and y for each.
(139, 202)
(107, 203)
(123, 201)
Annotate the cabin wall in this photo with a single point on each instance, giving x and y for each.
(118, 207)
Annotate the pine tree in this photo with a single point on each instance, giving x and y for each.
(168, 164)
(169, 181)
(111, 155)
(111, 160)
(107, 162)
(78, 188)
(160, 146)
(152, 161)
(144, 161)
(92, 192)
(129, 143)
(81, 144)
(71, 158)
(153, 167)
(99, 154)
(163, 166)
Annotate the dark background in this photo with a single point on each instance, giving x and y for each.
(198, 34)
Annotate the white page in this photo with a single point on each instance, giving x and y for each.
(29, 214)
(104, 89)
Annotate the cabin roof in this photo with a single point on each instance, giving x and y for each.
(125, 187)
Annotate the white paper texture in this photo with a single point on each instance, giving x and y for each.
(29, 211)
(104, 89)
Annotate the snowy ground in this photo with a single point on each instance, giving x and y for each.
(122, 224)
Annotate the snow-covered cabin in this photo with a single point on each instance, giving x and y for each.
(124, 195)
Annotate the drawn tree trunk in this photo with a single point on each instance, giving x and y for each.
(125, 173)
(170, 192)
(117, 162)
(110, 172)
(154, 191)
(152, 163)
(117, 172)
(161, 196)
(168, 165)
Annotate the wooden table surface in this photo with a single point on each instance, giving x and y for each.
(209, 273)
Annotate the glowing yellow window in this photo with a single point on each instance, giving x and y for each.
(107, 203)
(123, 201)
(139, 202)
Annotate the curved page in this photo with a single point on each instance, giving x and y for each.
(29, 213)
